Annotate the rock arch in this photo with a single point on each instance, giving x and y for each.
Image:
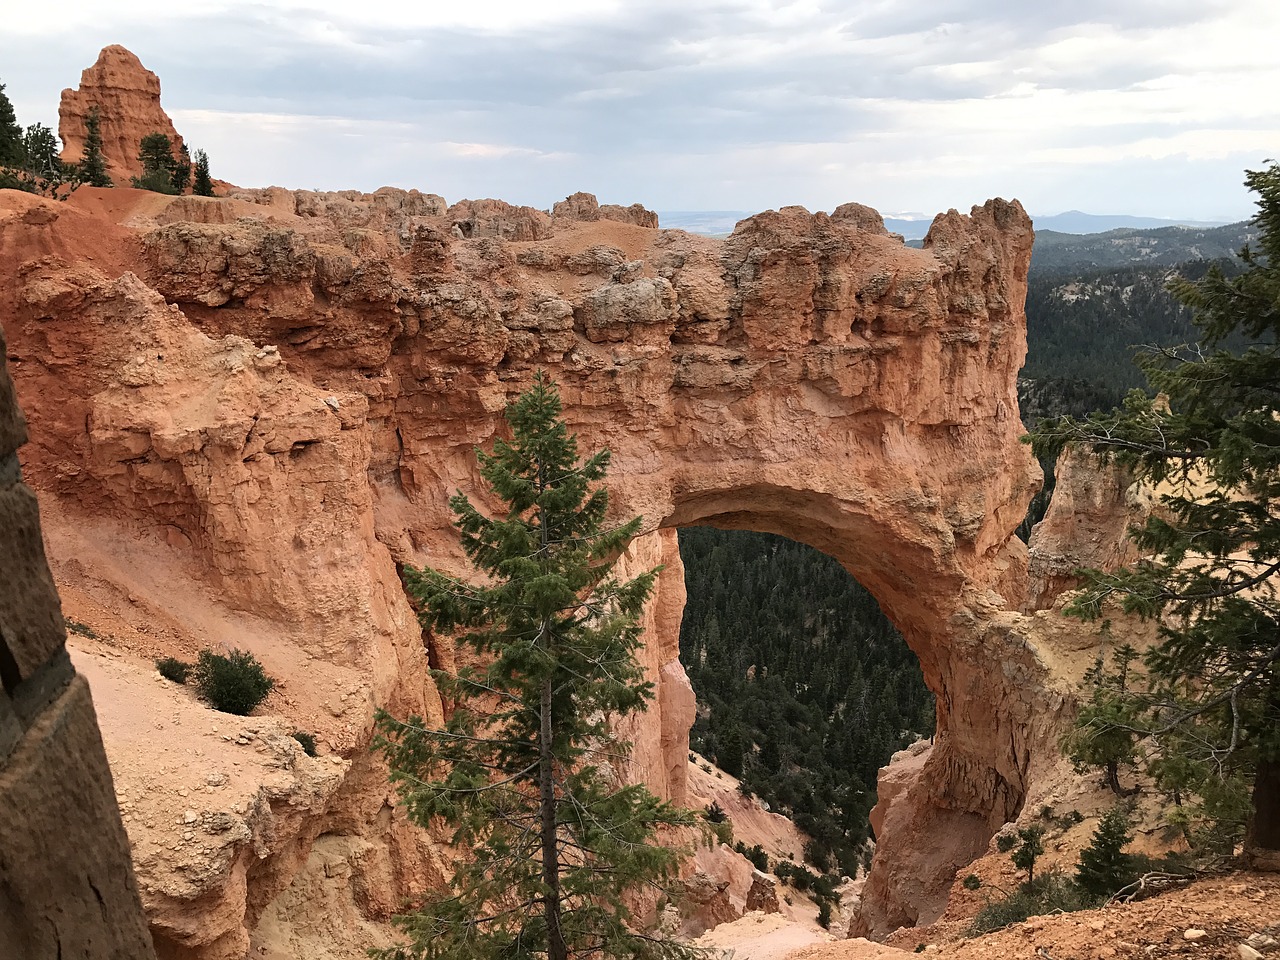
(279, 390)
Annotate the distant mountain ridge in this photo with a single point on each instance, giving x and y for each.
(1060, 253)
(717, 222)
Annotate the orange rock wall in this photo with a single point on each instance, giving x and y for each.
(279, 390)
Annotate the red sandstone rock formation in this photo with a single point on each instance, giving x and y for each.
(127, 96)
(265, 416)
(584, 207)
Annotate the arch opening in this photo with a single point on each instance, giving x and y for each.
(804, 688)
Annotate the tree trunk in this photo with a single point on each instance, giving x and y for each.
(1113, 779)
(1262, 845)
(556, 949)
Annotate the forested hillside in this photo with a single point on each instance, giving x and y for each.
(1071, 253)
(804, 687)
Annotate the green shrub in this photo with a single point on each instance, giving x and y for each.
(817, 855)
(307, 740)
(233, 684)
(723, 832)
(1050, 893)
(759, 859)
(1006, 842)
(824, 914)
(157, 181)
(1030, 847)
(171, 668)
(715, 813)
(972, 882)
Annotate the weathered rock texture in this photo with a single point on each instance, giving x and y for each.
(261, 403)
(67, 886)
(127, 96)
(1086, 525)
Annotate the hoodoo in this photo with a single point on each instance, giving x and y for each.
(127, 96)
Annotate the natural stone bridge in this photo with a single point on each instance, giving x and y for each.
(269, 397)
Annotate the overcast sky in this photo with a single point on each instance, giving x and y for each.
(1145, 107)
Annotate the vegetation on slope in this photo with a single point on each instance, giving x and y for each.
(804, 687)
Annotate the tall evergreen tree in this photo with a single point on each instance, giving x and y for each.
(40, 150)
(93, 165)
(521, 768)
(1213, 551)
(11, 152)
(181, 177)
(203, 185)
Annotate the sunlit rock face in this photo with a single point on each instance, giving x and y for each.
(266, 400)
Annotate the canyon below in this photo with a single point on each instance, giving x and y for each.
(244, 416)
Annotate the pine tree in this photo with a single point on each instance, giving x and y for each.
(11, 152)
(521, 768)
(1104, 733)
(40, 150)
(155, 153)
(203, 186)
(1104, 867)
(1027, 852)
(93, 166)
(1213, 550)
(181, 177)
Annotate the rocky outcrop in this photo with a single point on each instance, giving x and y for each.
(583, 207)
(1086, 525)
(127, 96)
(275, 409)
(67, 886)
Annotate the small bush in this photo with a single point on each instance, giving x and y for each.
(171, 668)
(817, 856)
(1030, 847)
(1050, 893)
(715, 813)
(1006, 842)
(83, 630)
(307, 740)
(235, 683)
(972, 882)
(723, 832)
(157, 181)
(756, 854)
(1104, 867)
(824, 914)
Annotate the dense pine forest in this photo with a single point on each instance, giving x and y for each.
(804, 687)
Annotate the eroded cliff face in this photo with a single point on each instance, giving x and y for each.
(248, 411)
(267, 402)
